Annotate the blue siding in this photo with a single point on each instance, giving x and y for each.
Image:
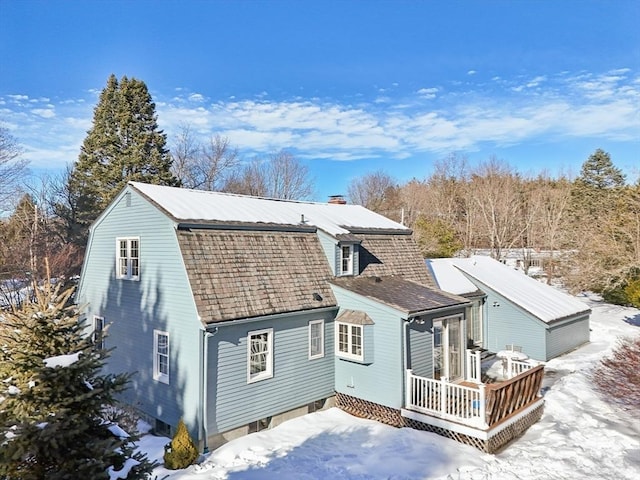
(382, 381)
(509, 324)
(567, 335)
(161, 300)
(330, 247)
(296, 381)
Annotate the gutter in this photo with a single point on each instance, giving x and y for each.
(252, 227)
(439, 310)
(213, 326)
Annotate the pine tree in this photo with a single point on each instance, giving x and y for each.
(52, 395)
(597, 203)
(124, 144)
(599, 172)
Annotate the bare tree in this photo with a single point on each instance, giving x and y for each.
(12, 167)
(287, 177)
(281, 175)
(203, 166)
(496, 192)
(373, 191)
(249, 179)
(441, 209)
(550, 200)
(184, 152)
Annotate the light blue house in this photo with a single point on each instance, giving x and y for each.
(236, 313)
(513, 308)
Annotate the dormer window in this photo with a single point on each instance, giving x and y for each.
(346, 260)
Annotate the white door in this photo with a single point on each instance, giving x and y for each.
(447, 348)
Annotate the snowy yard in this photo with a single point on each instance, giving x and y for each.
(581, 435)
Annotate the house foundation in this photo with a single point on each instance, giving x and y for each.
(490, 440)
(218, 439)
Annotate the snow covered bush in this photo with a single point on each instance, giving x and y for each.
(54, 393)
(618, 375)
(181, 451)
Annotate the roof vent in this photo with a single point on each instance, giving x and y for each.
(337, 200)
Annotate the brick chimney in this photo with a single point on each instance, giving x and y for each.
(337, 200)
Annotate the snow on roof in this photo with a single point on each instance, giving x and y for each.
(202, 206)
(544, 301)
(449, 278)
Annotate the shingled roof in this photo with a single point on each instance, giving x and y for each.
(403, 295)
(398, 255)
(241, 274)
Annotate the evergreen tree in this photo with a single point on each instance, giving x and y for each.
(598, 201)
(599, 172)
(181, 451)
(123, 145)
(52, 396)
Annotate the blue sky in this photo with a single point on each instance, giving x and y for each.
(349, 87)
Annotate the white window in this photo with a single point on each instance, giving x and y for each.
(161, 356)
(346, 260)
(259, 355)
(316, 339)
(98, 332)
(349, 341)
(128, 258)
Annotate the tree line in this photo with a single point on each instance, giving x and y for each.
(590, 224)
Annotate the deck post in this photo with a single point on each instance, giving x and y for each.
(409, 389)
(443, 396)
(482, 411)
(473, 370)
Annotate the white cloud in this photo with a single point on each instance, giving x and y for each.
(504, 112)
(44, 112)
(471, 72)
(428, 93)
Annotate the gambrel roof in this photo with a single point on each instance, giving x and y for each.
(386, 255)
(241, 274)
(248, 257)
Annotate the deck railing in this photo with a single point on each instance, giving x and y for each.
(506, 398)
(474, 366)
(479, 407)
(446, 400)
(516, 367)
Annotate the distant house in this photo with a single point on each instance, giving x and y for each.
(514, 309)
(236, 313)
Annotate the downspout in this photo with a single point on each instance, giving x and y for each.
(206, 335)
(405, 358)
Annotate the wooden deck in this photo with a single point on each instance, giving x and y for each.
(480, 406)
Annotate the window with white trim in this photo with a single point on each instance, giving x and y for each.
(161, 356)
(259, 355)
(346, 260)
(98, 332)
(316, 339)
(128, 258)
(349, 341)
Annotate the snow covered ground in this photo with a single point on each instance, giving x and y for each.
(581, 435)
